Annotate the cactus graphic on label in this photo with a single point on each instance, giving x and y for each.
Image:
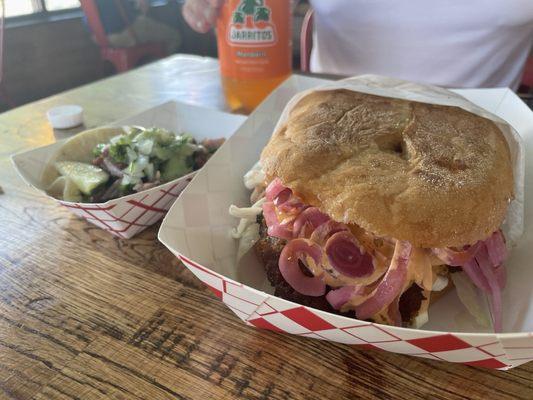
(251, 24)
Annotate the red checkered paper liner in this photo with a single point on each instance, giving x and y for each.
(264, 311)
(126, 216)
(197, 230)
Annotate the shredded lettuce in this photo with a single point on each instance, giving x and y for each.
(254, 177)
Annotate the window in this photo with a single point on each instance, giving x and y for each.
(19, 8)
(14, 8)
(54, 5)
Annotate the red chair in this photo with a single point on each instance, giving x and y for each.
(527, 78)
(306, 40)
(3, 96)
(122, 58)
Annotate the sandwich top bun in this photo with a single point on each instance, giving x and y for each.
(436, 176)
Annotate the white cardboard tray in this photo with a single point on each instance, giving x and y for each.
(196, 230)
(126, 216)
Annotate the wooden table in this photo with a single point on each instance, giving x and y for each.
(84, 315)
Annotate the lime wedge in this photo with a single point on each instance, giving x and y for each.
(86, 177)
(71, 192)
(57, 187)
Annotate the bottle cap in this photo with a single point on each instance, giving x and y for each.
(64, 117)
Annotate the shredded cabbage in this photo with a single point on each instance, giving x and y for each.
(248, 238)
(254, 177)
(247, 212)
(439, 283)
(420, 320)
(248, 229)
(470, 297)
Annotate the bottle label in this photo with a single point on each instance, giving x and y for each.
(254, 38)
(250, 25)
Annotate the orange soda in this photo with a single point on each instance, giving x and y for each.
(254, 49)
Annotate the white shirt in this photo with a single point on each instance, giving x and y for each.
(453, 43)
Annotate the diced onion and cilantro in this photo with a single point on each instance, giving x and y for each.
(134, 161)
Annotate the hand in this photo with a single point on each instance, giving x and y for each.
(201, 14)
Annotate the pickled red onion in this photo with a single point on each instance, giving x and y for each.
(275, 228)
(501, 275)
(472, 269)
(269, 212)
(309, 219)
(282, 197)
(345, 256)
(456, 258)
(482, 262)
(339, 297)
(273, 189)
(321, 234)
(393, 312)
(291, 206)
(295, 250)
(496, 248)
(487, 269)
(391, 285)
(489, 276)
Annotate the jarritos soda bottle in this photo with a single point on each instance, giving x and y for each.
(254, 49)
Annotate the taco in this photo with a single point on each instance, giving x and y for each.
(106, 163)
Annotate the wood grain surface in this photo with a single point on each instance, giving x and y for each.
(84, 315)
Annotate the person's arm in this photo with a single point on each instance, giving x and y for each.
(201, 14)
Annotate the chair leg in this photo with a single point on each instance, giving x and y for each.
(101, 66)
(124, 63)
(6, 99)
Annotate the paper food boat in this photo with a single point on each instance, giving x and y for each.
(126, 216)
(196, 230)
